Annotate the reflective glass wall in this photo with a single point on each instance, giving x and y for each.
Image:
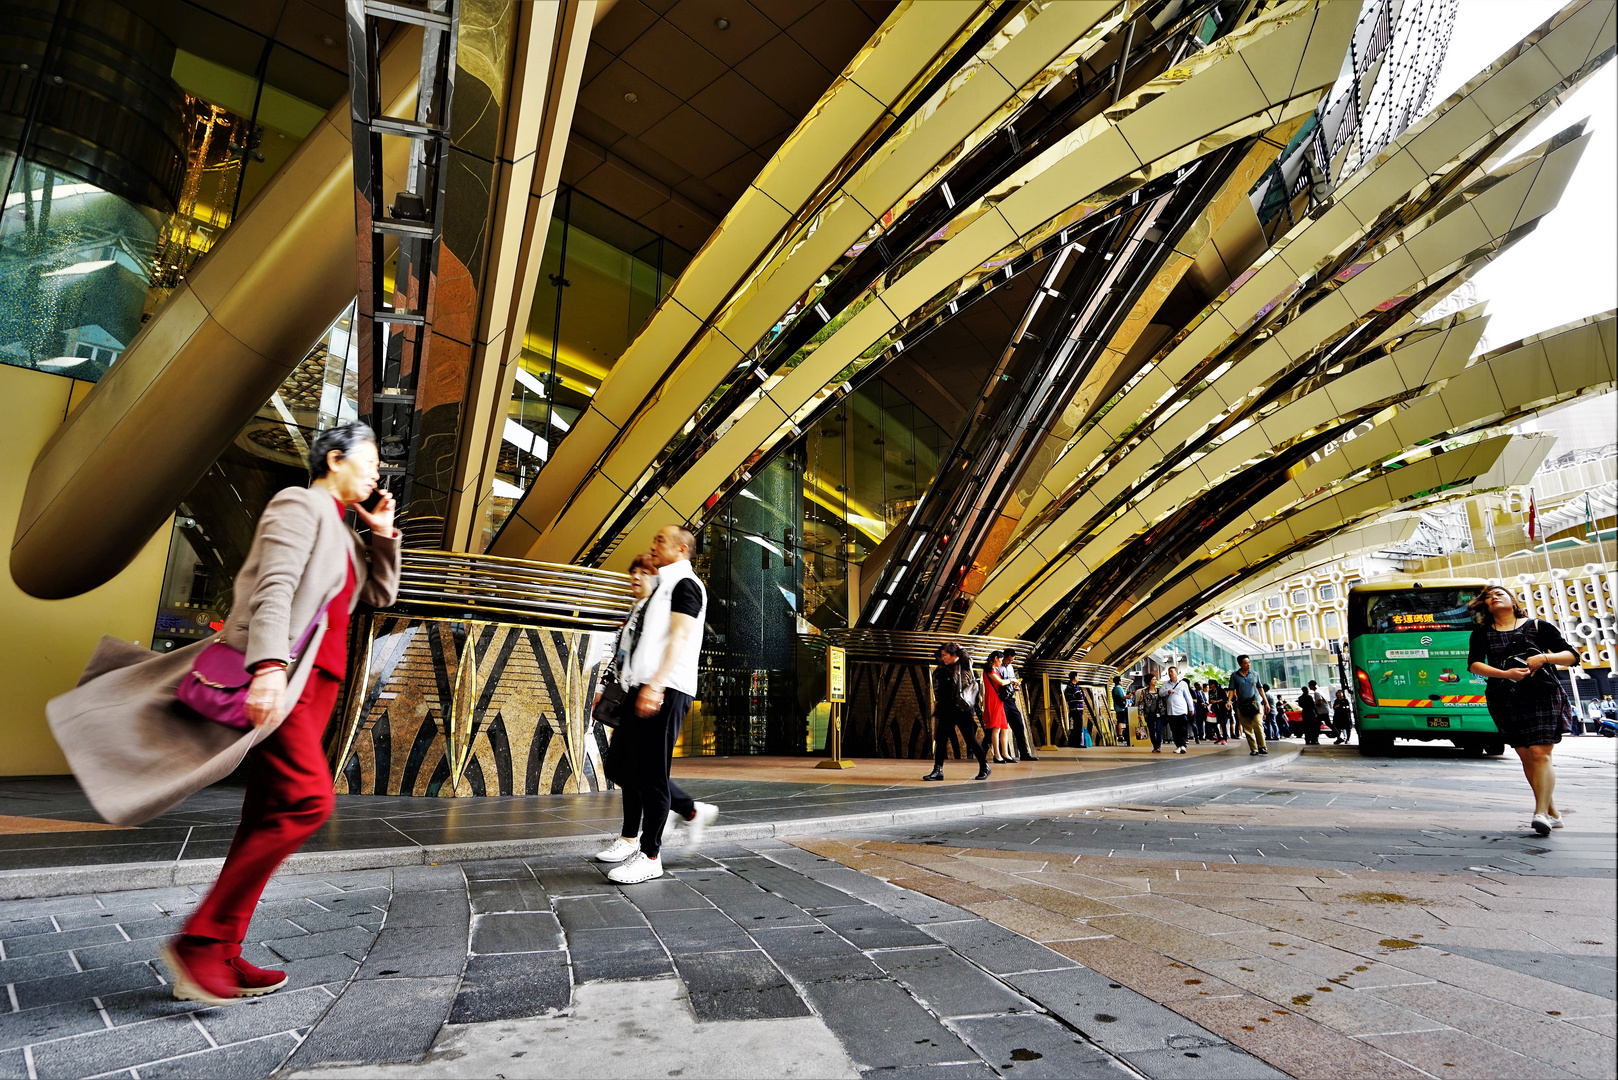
(602, 276)
(134, 134)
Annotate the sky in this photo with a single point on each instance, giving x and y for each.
(1568, 267)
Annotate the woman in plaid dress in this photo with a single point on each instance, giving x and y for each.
(1526, 704)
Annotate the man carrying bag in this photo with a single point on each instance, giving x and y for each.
(1244, 694)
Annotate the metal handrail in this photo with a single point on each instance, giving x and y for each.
(436, 583)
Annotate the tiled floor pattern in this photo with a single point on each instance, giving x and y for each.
(1328, 966)
(383, 960)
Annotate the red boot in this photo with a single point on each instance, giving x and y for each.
(200, 971)
(252, 980)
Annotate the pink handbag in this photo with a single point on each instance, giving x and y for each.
(216, 686)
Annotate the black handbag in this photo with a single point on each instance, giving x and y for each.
(608, 710)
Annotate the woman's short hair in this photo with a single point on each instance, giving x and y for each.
(342, 438)
(1479, 606)
(643, 562)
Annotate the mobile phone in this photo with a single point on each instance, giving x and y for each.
(370, 502)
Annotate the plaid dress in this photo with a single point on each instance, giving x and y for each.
(1536, 711)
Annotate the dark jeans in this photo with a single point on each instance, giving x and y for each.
(638, 761)
(1154, 728)
(1180, 726)
(967, 725)
(1019, 729)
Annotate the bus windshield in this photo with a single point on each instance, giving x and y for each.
(1411, 610)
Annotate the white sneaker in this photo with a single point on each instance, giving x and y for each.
(704, 817)
(1542, 824)
(669, 827)
(1179, 750)
(617, 851)
(635, 869)
(1556, 822)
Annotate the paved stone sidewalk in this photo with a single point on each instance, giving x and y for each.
(1347, 917)
(404, 966)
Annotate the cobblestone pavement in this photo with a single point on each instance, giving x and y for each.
(1341, 917)
(1345, 917)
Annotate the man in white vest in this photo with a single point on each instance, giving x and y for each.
(661, 678)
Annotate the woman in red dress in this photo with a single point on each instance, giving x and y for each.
(995, 727)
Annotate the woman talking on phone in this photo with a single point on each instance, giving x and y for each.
(1518, 656)
(306, 565)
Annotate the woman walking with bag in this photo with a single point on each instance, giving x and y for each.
(275, 672)
(1525, 698)
(996, 727)
(957, 698)
(611, 705)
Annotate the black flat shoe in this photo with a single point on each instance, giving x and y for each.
(934, 775)
(983, 773)
(1030, 757)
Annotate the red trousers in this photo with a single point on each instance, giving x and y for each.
(289, 796)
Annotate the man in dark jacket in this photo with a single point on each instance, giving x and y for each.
(1073, 695)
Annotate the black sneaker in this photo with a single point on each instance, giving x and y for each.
(936, 774)
(1264, 751)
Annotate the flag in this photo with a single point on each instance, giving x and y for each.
(1533, 515)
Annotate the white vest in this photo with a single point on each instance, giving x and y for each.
(652, 639)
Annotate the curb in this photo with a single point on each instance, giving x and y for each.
(120, 877)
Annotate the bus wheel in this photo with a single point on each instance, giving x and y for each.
(1375, 745)
(1472, 749)
(1495, 749)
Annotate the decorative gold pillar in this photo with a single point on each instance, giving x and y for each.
(479, 681)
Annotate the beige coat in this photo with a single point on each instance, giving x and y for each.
(134, 750)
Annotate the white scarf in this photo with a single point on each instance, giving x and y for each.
(652, 636)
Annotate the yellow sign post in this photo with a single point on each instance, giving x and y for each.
(836, 694)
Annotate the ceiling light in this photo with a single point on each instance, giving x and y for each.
(722, 23)
(327, 40)
(631, 98)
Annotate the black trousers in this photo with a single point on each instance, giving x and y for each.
(638, 761)
(967, 725)
(1180, 726)
(1019, 728)
(1154, 728)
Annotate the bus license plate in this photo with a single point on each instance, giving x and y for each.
(1438, 721)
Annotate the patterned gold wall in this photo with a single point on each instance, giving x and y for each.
(449, 708)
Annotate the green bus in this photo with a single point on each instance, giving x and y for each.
(1408, 643)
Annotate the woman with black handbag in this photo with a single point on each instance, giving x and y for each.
(1525, 698)
(957, 705)
(613, 707)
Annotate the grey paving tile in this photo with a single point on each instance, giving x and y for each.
(597, 913)
(521, 894)
(693, 930)
(440, 907)
(76, 920)
(512, 986)
(355, 941)
(960, 1070)
(948, 984)
(34, 944)
(117, 1048)
(576, 880)
(316, 971)
(13, 1066)
(353, 880)
(872, 928)
(516, 932)
(427, 878)
(1203, 1063)
(415, 952)
(380, 1021)
(794, 887)
(912, 907)
(1036, 1046)
(316, 920)
(241, 1061)
(497, 869)
(666, 894)
(617, 953)
(1114, 1017)
(41, 966)
(16, 928)
(738, 986)
(146, 1003)
(272, 928)
(53, 991)
(164, 898)
(56, 1022)
(1592, 974)
(286, 1010)
(369, 897)
(164, 926)
(997, 949)
(119, 952)
(881, 1026)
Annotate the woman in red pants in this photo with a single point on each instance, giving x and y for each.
(306, 570)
